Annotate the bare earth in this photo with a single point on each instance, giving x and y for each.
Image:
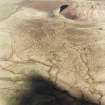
(70, 53)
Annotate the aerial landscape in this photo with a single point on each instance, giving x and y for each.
(52, 52)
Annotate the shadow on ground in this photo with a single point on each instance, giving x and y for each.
(44, 92)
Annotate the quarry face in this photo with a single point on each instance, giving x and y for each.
(67, 52)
